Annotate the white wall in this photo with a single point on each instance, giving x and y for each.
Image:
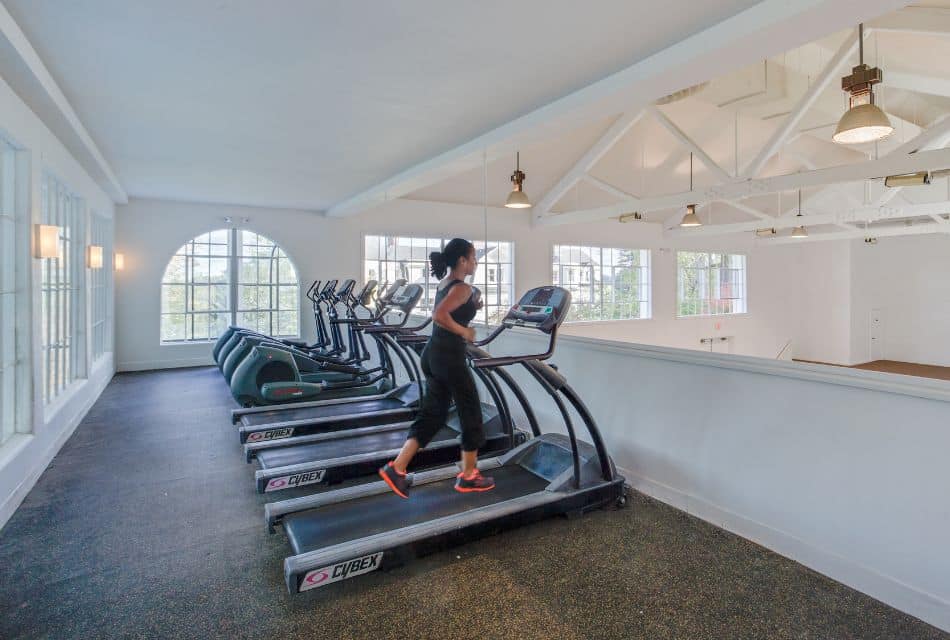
(150, 231)
(823, 276)
(842, 470)
(907, 279)
(24, 457)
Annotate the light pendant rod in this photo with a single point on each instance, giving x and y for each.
(860, 43)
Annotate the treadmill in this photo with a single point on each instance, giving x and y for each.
(332, 457)
(277, 422)
(352, 531)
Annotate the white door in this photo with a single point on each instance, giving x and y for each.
(876, 332)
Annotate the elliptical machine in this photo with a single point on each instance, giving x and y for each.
(272, 375)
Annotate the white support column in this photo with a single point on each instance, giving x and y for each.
(720, 173)
(586, 162)
(844, 52)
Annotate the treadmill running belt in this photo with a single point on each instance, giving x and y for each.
(345, 521)
(283, 456)
(304, 413)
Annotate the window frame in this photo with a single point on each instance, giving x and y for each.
(646, 301)
(16, 268)
(708, 301)
(480, 279)
(100, 284)
(233, 255)
(62, 288)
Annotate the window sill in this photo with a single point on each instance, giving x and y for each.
(713, 315)
(13, 447)
(60, 401)
(584, 323)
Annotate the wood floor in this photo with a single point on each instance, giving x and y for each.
(894, 366)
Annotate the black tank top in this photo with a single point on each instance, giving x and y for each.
(463, 314)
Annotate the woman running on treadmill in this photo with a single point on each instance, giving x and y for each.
(447, 374)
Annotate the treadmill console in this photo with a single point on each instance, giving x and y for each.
(392, 290)
(406, 298)
(542, 308)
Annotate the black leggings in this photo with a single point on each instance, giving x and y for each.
(448, 378)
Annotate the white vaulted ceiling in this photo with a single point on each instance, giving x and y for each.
(303, 104)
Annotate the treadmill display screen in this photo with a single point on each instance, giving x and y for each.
(542, 307)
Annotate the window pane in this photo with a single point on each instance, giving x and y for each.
(173, 327)
(710, 283)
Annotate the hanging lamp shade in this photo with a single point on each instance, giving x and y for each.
(518, 199)
(863, 123)
(691, 219)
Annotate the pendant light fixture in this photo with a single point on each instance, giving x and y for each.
(518, 199)
(799, 231)
(863, 121)
(691, 220)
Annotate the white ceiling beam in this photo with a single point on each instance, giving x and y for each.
(741, 206)
(939, 219)
(31, 59)
(607, 187)
(936, 137)
(792, 120)
(917, 82)
(933, 21)
(888, 165)
(765, 29)
(888, 232)
(850, 216)
(688, 143)
(590, 158)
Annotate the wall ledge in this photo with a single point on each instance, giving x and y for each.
(872, 380)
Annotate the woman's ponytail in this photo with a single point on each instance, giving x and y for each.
(442, 261)
(437, 263)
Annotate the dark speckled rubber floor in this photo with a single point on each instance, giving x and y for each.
(147, 525)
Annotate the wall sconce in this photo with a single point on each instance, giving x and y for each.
(94, 256)
(118, 261)
(46, 244)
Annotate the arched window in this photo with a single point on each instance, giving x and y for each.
(229, 276)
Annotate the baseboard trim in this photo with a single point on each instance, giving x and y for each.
(176, 363)
(19, 493)
(907, 598)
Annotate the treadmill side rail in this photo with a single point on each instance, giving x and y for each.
(251, 449)
(297, 567)
(281, 430)
(237, 413)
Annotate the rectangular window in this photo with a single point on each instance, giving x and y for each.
(100, 234)
(388, 258)
(63, 306)
(710, 284)
(605, 283)
(11, 252)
